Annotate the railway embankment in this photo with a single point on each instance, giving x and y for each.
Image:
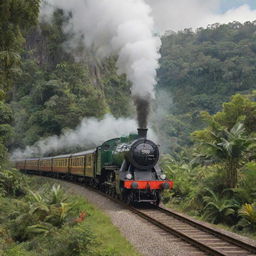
(40, 217)
(194, 237)
(148, 239)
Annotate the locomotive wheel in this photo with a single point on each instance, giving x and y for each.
(128, 198)
(157, 202)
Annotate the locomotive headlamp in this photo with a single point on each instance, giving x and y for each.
(162, 176)
(128, 176)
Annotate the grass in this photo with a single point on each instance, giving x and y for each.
(109, 239)
(30, 228)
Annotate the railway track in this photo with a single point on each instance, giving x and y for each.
(199, 235)
(207, 240)
(204, 238)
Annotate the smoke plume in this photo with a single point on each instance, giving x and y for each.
(143, 108)
(91, 132)
(123, 28)
(88, 134)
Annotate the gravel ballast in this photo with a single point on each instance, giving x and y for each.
(148, 239)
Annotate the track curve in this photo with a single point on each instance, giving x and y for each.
(206, 239)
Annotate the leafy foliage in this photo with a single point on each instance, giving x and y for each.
(248, 212)
(205, 67)
(219, 208)
(227, 147)
(200, 70)
(48, 221)
(12, 184)
(215, 179)
(16, 16)
(229, 138)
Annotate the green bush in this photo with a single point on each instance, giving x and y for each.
(248, 221)
(12, 183)
(246, 190)
(19, 250)
(41, 213)
(219, 208)
(45, 222)
(63, 242)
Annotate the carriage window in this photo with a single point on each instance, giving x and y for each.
(89, 160)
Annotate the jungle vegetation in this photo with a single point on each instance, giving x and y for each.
(201, 70)
(215, 179)
(210, 123)
(207, 122)
(42, 91)
(39, 217)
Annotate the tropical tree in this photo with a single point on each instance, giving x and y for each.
(229, 139)
(227, 147)
(15, 17)
(219, 208)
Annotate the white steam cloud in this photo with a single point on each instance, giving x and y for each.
(118, 27)
(123, 28)
(90, 133)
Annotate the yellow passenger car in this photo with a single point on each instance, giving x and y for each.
(45, 164)
(61, 163)
(82, 163)
(32, 164)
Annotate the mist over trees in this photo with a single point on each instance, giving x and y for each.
(51, 86)
(55, 90)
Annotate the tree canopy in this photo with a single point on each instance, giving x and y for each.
(202, 69)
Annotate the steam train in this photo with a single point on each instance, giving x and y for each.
(124, 167)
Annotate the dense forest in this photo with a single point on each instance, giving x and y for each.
(204, 112)
(45, 89)
(210, 125)
(201, 70)
(48, 87)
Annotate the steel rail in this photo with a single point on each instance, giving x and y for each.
(194, 242)
(201, 226)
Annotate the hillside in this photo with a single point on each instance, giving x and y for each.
(200, 70)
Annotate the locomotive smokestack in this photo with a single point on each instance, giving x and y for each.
(142, 132)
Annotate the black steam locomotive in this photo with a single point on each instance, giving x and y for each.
(124, 167)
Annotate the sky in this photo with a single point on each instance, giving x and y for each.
(227, 4)
(175, 15)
